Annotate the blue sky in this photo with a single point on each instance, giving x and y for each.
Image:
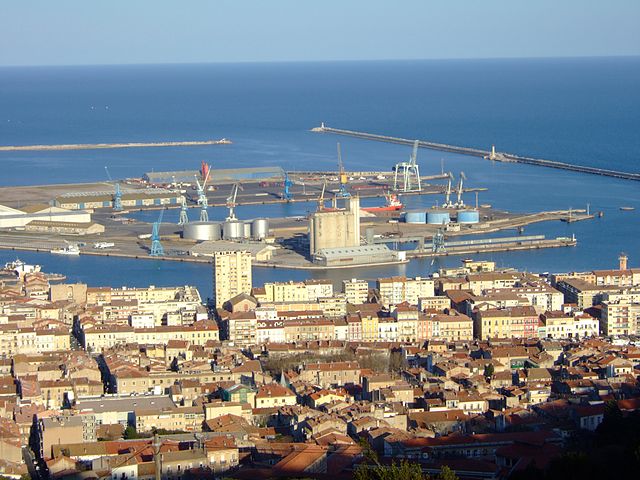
(72, 32)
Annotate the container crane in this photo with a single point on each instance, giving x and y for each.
(343, 192)
(117, 195)
(447, 196)
(157, 249)
(231, 201)
(202, 197)
(184, 217)
(409, 173)
(321, 197)
(459, 202)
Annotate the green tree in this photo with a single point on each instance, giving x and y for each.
(489, 370)
(130, 433)
(447, 474)
(374, 470)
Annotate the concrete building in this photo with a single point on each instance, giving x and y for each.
(14, 218)
(559, 325)
(231, 275)
(360, 255)
(356, 291)
(335, 227)
(395, 290)
(506, 322)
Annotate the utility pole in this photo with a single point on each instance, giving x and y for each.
(156, 456)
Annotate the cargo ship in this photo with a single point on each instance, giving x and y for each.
(393, 204)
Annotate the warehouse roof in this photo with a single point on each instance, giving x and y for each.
(361, 250)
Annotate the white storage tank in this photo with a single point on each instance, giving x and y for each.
(201, 231)
(246, 230)
(232, 230)
(260, 229)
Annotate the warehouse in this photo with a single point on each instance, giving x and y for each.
(260, 252)
(14, 218)
(361, 255)
(64, 228)
(130, 199)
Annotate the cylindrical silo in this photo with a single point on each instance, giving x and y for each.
(246, 230)
(438, 217)
(468, 216)
(415, 216)
(260, 228)
(232, 230)
(201, 231)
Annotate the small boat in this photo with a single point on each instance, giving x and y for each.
(627, 209)
(67, 250)
(393, 204)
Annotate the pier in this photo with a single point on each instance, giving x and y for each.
(99, 146)
(486, 154)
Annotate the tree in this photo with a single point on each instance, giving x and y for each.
(447, 474)
(130, 433)
(489, 370)
(404, 470)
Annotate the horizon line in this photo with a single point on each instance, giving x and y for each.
(265, 62)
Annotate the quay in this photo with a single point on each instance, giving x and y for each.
(486, 154)
(98, 146)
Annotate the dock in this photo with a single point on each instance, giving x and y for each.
(486, 154)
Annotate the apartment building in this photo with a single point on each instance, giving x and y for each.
(231, 275)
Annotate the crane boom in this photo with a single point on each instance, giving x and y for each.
(414, 153)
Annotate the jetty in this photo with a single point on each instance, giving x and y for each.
(99, 146)
(486, 154)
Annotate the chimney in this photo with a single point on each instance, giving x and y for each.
(623, 261)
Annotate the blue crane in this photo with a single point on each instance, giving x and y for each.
(156, 247)
(117, 197)
(286, 194)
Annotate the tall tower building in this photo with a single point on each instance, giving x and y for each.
(231, 275)
(623, 261)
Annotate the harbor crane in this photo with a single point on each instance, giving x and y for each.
(184, 217)
(157, 250)
(202, 197)
(447, 195)
(408, 173)
(231, 201)
(286, 193)
(321, 197)
(343, 192)
(459, 202)
(117, 196)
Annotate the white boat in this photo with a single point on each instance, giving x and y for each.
(67, 250)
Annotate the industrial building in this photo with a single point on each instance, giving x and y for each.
(65, 228)
(335, 228)
(358, 255)
(260, 252)
(130, 198)
(20, 218)
(223, 175)
(231, 275)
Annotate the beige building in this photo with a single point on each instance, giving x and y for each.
(395, 290)
(231, 275)
(518, 322)
(620, 317)
(335, 227)
(356, 291)
(559, 325)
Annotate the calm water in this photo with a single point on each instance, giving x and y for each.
(583, 111)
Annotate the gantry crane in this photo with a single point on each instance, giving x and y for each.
(202, 197)
(231, 201)
(286, 193)
(459, 202)
(157, 249)
(409, 173)
(321, 197)
(184, 217)
(447, 195)
(117, 196)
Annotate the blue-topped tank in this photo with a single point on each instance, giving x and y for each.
(438, 217)
(415, 216)
(468, 216)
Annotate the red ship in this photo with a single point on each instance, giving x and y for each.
(393, 204)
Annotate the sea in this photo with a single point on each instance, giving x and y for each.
(578, 110)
